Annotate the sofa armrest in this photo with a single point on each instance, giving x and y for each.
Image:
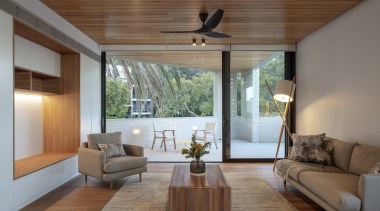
(91, 162)
(134, 150)
(369, 186)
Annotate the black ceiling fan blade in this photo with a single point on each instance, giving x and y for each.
(176, 32)
(215, 19)
(218, 35)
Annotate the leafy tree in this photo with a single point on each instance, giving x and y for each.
(118, 97)
(195, 98)
(145, 78)
(272, 72)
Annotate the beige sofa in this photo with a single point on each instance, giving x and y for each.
(93, 162)
(345, 186)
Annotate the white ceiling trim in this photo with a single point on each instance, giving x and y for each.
(198, 48)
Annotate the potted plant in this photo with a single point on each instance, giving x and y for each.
(196, 151)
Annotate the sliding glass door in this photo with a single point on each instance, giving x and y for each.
(254, 120)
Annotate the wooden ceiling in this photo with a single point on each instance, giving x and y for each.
(139, 22)
(207, 60)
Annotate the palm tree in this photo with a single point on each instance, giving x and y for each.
(145, 78)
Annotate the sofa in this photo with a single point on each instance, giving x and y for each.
(347, 185)
(94, 162)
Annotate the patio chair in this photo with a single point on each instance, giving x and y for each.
(209, 130)
(164, 135)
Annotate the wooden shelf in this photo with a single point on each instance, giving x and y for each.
(30, 81)
(34, 163)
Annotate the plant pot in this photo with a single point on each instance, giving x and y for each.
(197, 166)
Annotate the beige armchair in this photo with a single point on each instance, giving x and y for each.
(93, 162)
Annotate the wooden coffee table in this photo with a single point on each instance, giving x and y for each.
(197, 193)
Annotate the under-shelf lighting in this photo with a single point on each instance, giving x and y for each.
(203, 41)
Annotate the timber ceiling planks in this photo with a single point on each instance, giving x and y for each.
(139, 22)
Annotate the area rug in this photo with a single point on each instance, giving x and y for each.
(249, 192)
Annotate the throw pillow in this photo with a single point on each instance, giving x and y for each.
(112, 150)
(310, 148)
(375, 169)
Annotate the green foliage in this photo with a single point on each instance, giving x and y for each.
(272, 72)
(194, 98)
(196, 150)
(117, 98)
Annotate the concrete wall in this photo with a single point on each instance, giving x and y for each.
(338, 77)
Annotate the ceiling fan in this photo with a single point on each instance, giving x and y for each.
(207, 26)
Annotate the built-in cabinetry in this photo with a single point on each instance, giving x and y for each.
(60, 105)
(31, 81)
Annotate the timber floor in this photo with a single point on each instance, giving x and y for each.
(76, 194)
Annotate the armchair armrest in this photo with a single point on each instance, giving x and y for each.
(369, 186)
(134, 150)
(91, 162)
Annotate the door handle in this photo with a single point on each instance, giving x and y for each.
(225, 122)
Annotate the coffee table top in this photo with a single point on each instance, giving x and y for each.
(213, 178)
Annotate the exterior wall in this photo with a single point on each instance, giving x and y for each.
(268, 133)
(183, 126)
(338, 77)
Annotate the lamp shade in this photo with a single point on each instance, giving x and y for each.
(282, 91)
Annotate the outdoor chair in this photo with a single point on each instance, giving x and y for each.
(164, 135)
(209, 130)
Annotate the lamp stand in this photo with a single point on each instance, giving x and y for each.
(283, 116)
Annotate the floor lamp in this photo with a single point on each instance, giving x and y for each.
(284, 93)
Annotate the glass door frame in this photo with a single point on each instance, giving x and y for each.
(290, 71)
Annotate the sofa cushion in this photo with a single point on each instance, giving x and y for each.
(363, 159)
(103, 138)
(293, 168)
(341, 154)
(310, 148)
(123, 163)
(338, 190)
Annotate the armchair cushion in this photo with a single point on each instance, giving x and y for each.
(103, 138)
(123, 163)
(112, 150)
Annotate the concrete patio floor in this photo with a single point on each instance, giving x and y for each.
(239, 149)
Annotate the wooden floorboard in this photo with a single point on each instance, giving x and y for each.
(76, 194)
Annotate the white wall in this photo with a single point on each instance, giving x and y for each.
(6, 111)
(90, 96)
(36, 57)
(338, 75)
(28, 125)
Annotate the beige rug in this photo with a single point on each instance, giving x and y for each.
(249, 192)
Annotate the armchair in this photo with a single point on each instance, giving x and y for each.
(93, 162)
